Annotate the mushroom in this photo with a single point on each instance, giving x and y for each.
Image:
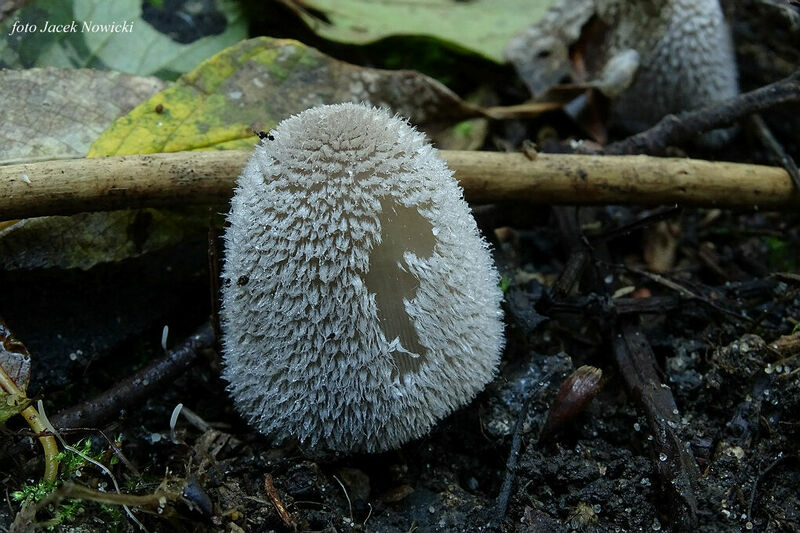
(360, 303)
(652, 57)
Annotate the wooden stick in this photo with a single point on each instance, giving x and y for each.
(674, 129)
(75, 185)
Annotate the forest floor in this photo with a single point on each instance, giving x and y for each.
(691, 315)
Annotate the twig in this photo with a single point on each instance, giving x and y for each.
(527, 110)
(674, 464)
(771, 143)
(570, 274)
(674, 129)
(511, 465)
(594, 304)
(760, 479)
(274, 497)
(138, 386)
(155, 503)
(76, 185)
(641, 220)
(688, 294)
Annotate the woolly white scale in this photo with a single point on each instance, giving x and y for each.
(360, 303)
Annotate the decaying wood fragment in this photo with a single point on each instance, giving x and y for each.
(673, 462)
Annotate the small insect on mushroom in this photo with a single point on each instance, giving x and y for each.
(372, 307)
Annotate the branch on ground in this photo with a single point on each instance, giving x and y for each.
(171, 179)
(676, 129)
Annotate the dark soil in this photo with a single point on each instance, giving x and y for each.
(713, 449)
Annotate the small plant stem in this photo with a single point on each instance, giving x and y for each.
(31, 415)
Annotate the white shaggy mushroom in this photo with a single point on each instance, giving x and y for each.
(361, 304)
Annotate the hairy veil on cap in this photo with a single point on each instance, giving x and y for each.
(360, 303)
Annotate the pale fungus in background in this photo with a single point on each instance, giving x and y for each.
(360, 303)
(651, 57)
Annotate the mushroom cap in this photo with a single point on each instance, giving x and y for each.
(360, 304)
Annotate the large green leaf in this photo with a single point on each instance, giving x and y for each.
(108, 35)
(479, 26)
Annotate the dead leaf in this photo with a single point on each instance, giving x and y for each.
(257, 83)
(51, 113)
(11, 405)
(87, 239)
(250, 86)
(14, 359)
(57, 113)
(481, 27)
(15, 362)
(541, 53)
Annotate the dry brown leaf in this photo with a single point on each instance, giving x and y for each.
(14, 358)
(51, 113)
